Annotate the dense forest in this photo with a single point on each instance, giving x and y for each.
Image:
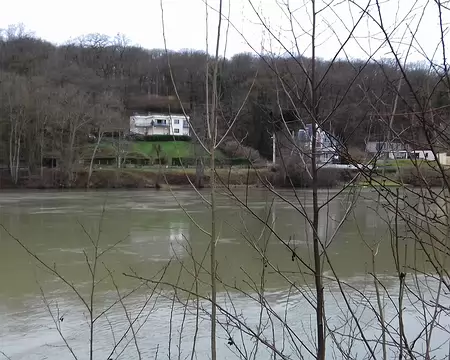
(53, 97)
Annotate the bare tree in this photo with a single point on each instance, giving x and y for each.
(107, 113)
(411, 201)
(16, 103)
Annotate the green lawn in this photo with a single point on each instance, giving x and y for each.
(403, 162)
(169, 149)
(379, 182)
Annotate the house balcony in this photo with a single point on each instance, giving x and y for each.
(149, 124)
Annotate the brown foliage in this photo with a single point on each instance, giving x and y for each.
(59, 77)
(423, 175)
(355, 154)
(295, 172)
(235, 149)
(155, 103)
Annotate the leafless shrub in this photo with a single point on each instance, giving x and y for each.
(423, 175)
(235, 149)
(296, 173)
(370, 319)
(357, 155)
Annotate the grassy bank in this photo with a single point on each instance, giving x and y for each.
(415, 173)
(155, 177)
(152, 149)
(170, 149)
(150, 177)
(379, 182)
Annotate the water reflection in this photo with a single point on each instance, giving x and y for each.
(155, 333)
(152, 230)
(162, 242)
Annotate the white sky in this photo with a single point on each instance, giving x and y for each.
(140, 20)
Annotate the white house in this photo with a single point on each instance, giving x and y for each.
(397, 150)
(393, 150)
(326, 146)
(423, 155)
(159, 124)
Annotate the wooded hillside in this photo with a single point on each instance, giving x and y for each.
(51, 97)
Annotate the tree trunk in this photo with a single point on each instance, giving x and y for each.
(199, 174)
(11, 160)
(317, 245)
(71, 159)
(119, 157)
(14, 152)
(41, 156)
(100, 134)
(17, 165)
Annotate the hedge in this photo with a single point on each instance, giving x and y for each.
(151, 138)
(427, 176)
(187, 161)
(240, 161)
(184, 161)
(160, 161)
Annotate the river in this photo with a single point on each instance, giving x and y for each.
(148, 233)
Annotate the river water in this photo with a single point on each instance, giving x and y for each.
(161, 235)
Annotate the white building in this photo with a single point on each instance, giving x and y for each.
(392, 150)
(397, 151)
(326, 147)
(423, 155)
(159, 124)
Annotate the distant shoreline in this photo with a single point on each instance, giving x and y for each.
(135, 178)
(186, 179)
(153, 178)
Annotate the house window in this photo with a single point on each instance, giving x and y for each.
(176, 131)
(176, 122)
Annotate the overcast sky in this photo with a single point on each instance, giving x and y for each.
(140, 20)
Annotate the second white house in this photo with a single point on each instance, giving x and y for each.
(159, 124)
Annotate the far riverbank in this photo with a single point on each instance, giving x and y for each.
(188, 178)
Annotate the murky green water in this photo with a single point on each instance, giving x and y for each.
(143, 231)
